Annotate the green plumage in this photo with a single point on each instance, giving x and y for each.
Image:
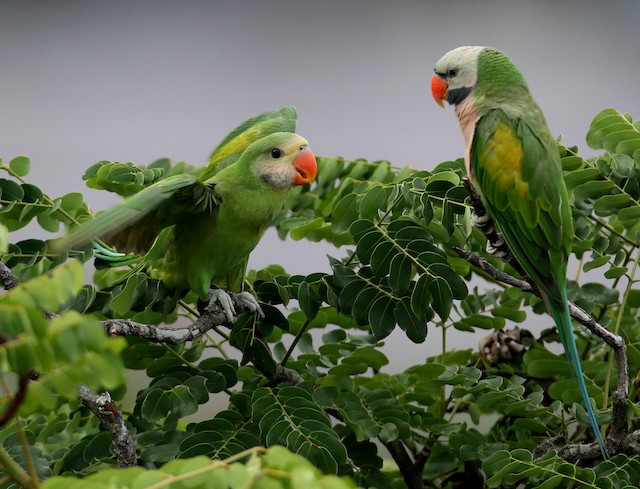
(197, 231)
(514, 164)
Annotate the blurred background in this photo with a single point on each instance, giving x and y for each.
(83, 81)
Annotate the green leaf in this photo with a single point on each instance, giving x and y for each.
(615, 272)
(629, 215)
(599, 293)
(299, 232)
(381, 258)
(291, 418)
(362, 303)
(580, 177)
(544, 364)
(121, 302)
(4, 239)
(442, 297)
(10, 190)
(596, 263)
(400, 271)
(72, 201)
(20, 165)
(382, 317)
(457, 286)
(415, 327)
(594, 189)
(374, 413)
(610, 204)
(367, 244)
(308, 299)
(513, 314)
(48, 292)
(345, 213)
(373, 200)
(421, 296)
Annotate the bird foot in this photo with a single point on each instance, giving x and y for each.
(218, 297)
(249, 301)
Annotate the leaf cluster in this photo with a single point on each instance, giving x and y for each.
(396, 231)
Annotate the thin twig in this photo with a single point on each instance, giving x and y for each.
(107, 412)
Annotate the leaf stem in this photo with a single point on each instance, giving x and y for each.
(298, 337)
(614, 231)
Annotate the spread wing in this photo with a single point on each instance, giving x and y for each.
(133, 224)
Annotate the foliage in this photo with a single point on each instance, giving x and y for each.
(396, 230)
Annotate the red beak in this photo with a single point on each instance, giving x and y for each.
(306, 167)
(439, 89)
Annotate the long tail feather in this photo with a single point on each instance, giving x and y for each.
(563, 321)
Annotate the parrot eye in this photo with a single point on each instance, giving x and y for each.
(452, 72)
(276, 153)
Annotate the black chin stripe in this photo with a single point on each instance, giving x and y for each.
(457, 95)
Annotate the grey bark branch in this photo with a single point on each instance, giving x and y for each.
(617, 439)
(161, 333)
(212, 317)
(107, 412)
(7, 278)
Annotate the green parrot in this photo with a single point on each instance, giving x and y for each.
(195, 232)
(513, 162)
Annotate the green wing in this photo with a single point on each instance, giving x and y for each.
(518, 172)
(232, 146)
(162, 204)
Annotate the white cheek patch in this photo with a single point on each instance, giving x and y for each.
(279, 176)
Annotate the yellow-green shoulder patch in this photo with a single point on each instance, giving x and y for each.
(501, 158)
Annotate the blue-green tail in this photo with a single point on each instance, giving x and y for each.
(563, 322)
(108, 258)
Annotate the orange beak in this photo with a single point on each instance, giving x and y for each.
(439, 89)
(306, 167)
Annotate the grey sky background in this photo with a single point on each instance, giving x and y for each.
(83, 81)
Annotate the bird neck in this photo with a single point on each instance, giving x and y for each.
(499, 82)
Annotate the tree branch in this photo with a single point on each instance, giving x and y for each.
(105, 409)
(411, 472)
(212, 317)
(18, 397)
(7, 278)
(617, 437)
